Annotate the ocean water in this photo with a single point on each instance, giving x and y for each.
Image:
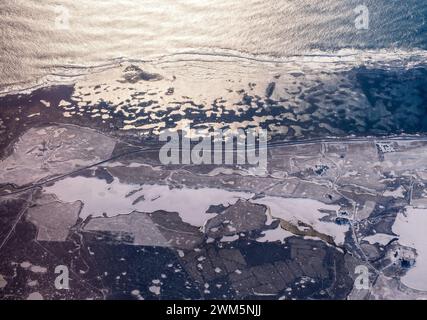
(299, 68)
(41, 38)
